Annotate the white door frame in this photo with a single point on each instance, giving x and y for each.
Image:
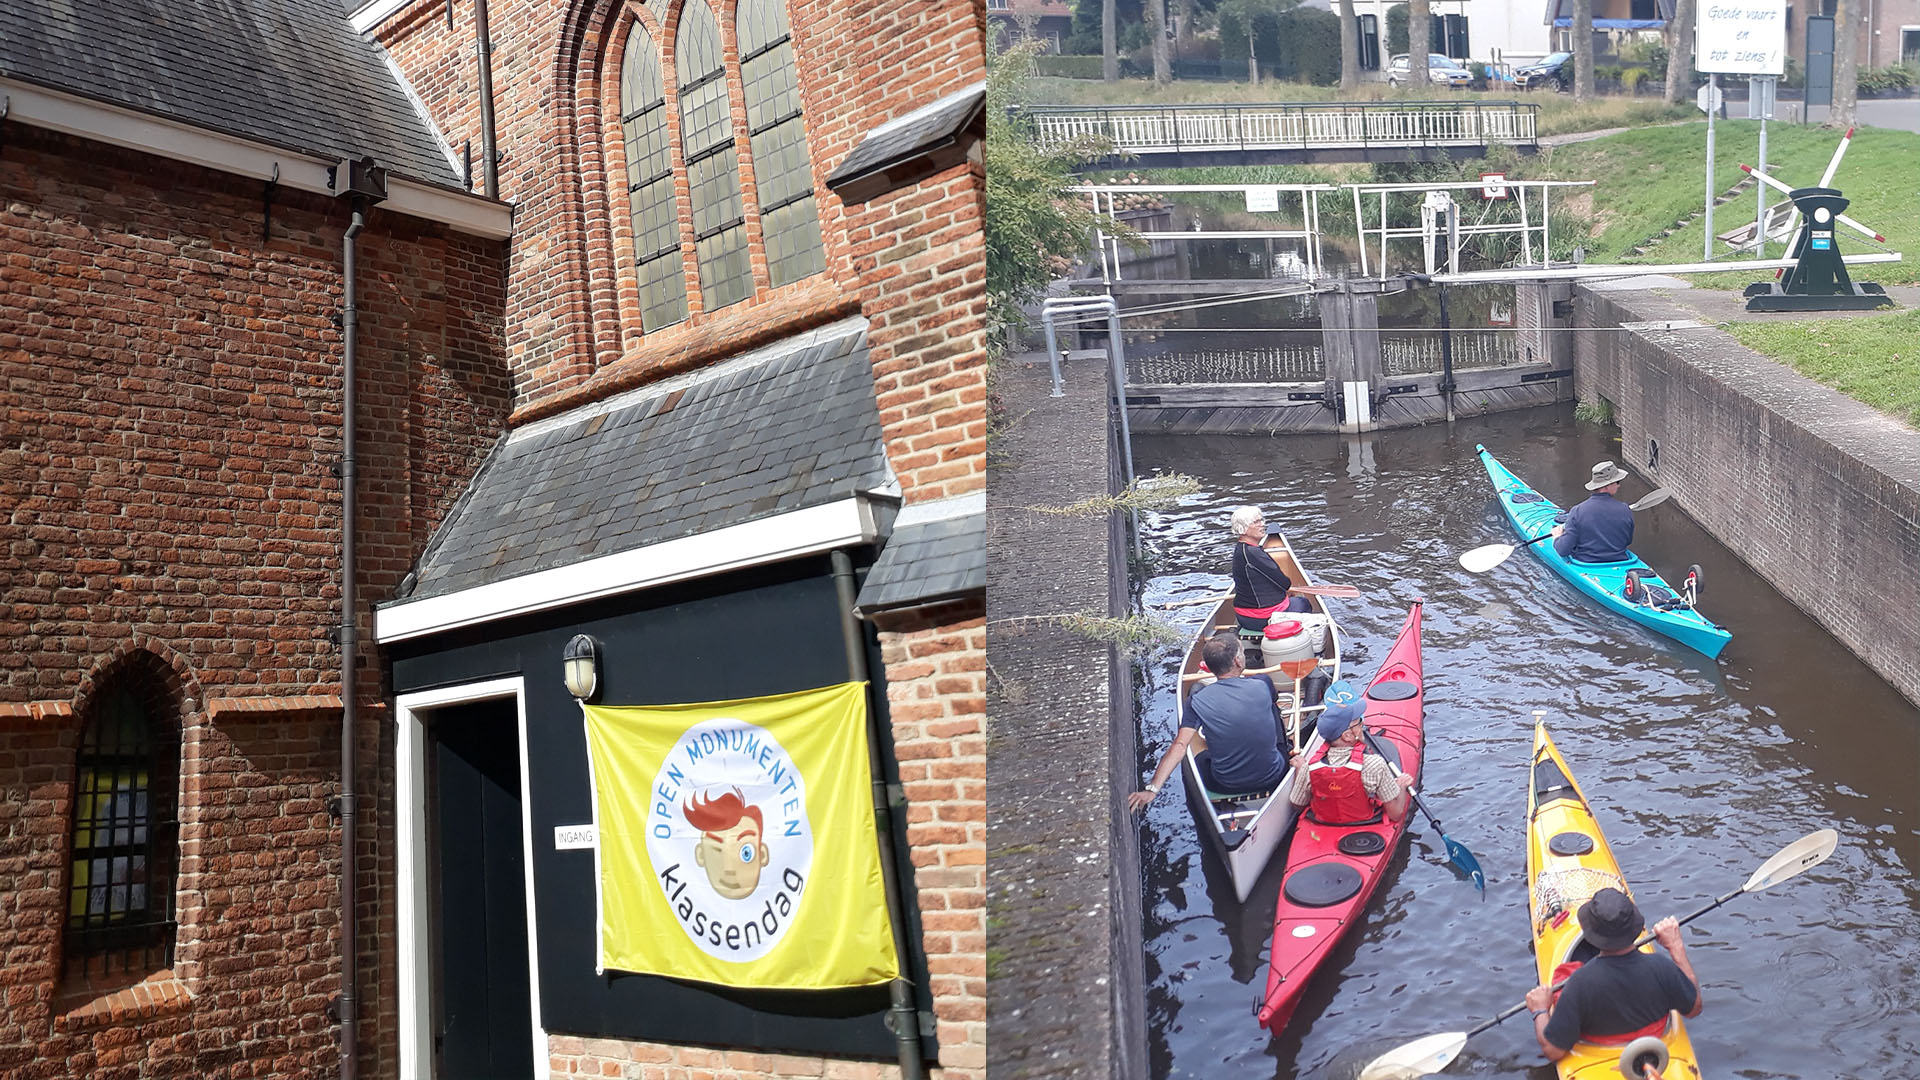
(415, 945)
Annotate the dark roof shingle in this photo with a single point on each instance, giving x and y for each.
(796, 430)
(929, 560)
(289, 73)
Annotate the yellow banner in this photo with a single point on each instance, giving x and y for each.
(737, 842)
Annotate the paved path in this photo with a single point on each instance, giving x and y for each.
(1064, 956)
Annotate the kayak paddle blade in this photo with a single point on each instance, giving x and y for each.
(1809, 851)
(1482, 559)
(1461, 858)
(1417, 1058)
(1652, 498)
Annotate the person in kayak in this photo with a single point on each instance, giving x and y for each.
(1344, 782)
(1260, 587)
(1622, 993)
(1601, 528)
(1240, 716)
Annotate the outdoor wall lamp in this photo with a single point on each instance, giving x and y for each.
(581, 661)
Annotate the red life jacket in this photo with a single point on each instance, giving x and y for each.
(1340, 791)
(1259, 612)
(1656, 1029)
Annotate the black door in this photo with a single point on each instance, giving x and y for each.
(483, 1020)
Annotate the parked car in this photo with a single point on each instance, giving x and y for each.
(1441, 71)
(1555, 71)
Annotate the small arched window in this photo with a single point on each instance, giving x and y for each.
(713, 162)
(125, 835)
(783, 174)
(656, 222)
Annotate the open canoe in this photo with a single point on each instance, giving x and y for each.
(1332, 870)
(1567, 862)
(1533, 516)
(1243, 831)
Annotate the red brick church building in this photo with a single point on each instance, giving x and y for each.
(361, 371)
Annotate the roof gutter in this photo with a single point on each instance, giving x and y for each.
(37, 106)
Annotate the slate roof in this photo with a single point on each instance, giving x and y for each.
(915, 133)
(929, 560)
(289, 73)
(777, 430)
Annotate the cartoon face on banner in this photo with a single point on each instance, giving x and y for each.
(729, 838)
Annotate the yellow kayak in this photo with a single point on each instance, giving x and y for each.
(1568, 861)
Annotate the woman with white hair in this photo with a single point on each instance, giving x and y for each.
(1260, 586)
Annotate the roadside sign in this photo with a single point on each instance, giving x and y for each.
(1709, 99)
(1742, 37)
(1263, 200)
(1493, 185)
(1760, 97)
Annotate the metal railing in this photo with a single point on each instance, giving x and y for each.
(1151, 129)
(1302, 362)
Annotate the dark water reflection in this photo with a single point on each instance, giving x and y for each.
(1699, 772)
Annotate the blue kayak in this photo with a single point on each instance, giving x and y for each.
(1656, 604)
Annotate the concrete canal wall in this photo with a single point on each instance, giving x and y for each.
(1065, 960)
(1817, 492)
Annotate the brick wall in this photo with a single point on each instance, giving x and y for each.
(909, 260)
(1809, 487)
(171, 386)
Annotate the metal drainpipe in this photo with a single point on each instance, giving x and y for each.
(349, 637)
(902, 1016)
(489, 159)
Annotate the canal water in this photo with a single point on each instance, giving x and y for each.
(1699, 771)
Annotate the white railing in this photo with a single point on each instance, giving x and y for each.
(1151, 129)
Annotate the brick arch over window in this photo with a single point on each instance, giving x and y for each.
(708, 146)
(124, 839)
(658, 264)
(777, 137)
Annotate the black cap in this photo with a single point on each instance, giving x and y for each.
(1610, 921)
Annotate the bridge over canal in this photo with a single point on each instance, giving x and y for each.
(1289, 132)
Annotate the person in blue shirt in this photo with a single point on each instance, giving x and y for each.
(1239, 716)
(1601, 528)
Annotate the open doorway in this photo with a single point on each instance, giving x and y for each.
(469, 1006)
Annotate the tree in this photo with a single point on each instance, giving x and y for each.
(1157, 18)
(1237, 17)
(1419, 42)
(1033, 224)
(1847, 25)
(1679, 53)
(1396, 29)
(1583, 50)
(1349, 47)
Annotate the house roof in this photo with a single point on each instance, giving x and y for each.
(288, 73)
(784, 428)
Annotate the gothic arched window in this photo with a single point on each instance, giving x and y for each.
(713, 162)
(656, 221)
(125, 836)
(783, 174)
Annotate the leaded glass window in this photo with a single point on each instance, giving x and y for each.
(713, 162)
(120, 891)
(789, 223)
(656, 221)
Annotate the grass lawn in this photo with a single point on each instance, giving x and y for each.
(1558, 113)
(1651, 178)
(1875, 360)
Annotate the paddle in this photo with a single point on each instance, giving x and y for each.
(1457, 853)
(1435, 1052)
(1482, 559)
(1336, 592)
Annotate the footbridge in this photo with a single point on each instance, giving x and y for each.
(1288, 132)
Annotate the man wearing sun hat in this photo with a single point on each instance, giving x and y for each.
(1622, 993)
(1601, 528)
(1342, 783)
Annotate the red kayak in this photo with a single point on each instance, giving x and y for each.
(1332, 870)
